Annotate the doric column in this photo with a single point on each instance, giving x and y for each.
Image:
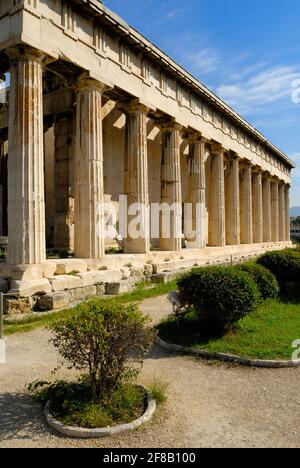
(195, 216)
(26, 202)
(267, 212)
(281, 216)
(287, 213)
(136, 179)
(171, 219)
(257, 206)
(246, 203)
(217, 232)
(63, 175)
(232, 196)
(3, 187)
(275, 209)
(89, 184)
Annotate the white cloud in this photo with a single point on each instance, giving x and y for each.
(269, 86)
(204, 61)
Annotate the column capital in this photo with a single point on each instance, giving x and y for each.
(134, 106)
(232, 156)
(23, 52)
(195, 137)
(245, 164)
(169, 125)
(85, 82)
(257, 170)
(217, 148)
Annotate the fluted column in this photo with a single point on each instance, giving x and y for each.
(246, 204)
(136, 180)
(281, 216)
(63, 175)
(275, 209)
(217, 231)
(26, 200)
(89, 185)
(171, 237)
(267, 212)
(195, 216)
(232, 192)
(257, 206)
(287, 214)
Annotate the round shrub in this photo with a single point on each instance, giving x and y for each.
(265, 280)
(221, 296)
(285, 265)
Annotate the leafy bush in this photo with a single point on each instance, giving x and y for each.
(221, 296)
(265, 280)
(285, 265)
(106, 340)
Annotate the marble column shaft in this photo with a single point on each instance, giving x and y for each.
(26, 199)
(171, 187)
(287, 214)
(257, 206)
(89, 183)
(275, 210)
(267, 212)
(281, 216)
(232, 191)
(136, 177)
(217, 231)
(246, 204)
(197, 239)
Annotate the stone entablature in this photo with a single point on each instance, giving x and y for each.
(91, 36)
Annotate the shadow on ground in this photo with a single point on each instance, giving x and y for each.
(20, 417)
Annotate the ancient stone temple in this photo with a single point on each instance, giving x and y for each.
(96, 115)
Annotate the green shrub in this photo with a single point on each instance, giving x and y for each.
(221, 296)
(265, 280)
(285, 265)
(105, 339)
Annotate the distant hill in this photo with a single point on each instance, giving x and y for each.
(295, 211)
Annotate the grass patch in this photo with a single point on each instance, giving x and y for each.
(142, 292)
(268, 333)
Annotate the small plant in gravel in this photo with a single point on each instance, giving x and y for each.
(159, 390)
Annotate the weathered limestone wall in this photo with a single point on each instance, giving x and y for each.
(64, 183)
(49, 146)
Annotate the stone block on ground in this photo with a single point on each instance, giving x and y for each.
(63, 282)
(27, 272)
(29, 288)
(81, 294)
(17, 306)
(52, 301)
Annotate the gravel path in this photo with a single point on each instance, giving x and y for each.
(209, 405)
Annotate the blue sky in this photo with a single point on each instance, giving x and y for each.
(246, 52)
